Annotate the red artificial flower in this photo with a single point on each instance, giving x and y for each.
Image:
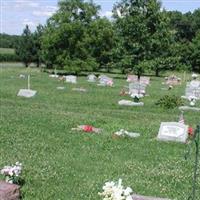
(190, 131)
(88, 128)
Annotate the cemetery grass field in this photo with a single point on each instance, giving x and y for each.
(60, 164)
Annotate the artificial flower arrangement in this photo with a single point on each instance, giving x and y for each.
(12, 173)
(192, 100)
(116, 191)
(124, 133)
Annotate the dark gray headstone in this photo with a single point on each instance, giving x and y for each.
(9, 191)
(139, 197)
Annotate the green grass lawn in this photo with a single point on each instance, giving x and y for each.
(7, 51)
(60, 164)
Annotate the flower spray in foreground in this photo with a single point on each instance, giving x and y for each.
(12, 173)
(116, 191)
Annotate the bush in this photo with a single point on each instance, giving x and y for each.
(170, 102)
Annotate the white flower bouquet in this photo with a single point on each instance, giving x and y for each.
(116, 191)
(12, 173)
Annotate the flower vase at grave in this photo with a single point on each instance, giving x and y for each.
(136, 99)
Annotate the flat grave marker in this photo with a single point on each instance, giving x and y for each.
(173, 131)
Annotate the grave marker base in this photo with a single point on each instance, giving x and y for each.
(185, 108)
(26, 93)
(130, 103)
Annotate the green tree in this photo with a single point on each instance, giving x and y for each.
(37, 48)
(25, 48)
(102, 41)
(183, 25)
(66, 40)
(145, 31)
(195, 53)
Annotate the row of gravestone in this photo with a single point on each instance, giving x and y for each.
(103, 79)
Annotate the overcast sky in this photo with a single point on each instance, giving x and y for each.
(15, 14)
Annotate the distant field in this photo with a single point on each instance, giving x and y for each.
(11, 64)
(7, 51)
(14, 64)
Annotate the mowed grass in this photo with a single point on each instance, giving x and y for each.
(7, 51)
(60, 164)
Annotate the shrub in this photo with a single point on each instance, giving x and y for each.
(170, 102)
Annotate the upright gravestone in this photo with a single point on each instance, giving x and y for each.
(173, 131)
(144, 80)
(173, 80)
(132, 78)
(71, 79)
(105, 81)
(27, 92)
(92, 78)
(137, 88)
(193, 89)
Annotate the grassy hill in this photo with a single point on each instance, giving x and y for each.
(62, 164)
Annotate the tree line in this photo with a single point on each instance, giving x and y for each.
(140, 37)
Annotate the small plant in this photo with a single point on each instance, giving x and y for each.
(12, 173)
(170, 102)
(116, 191)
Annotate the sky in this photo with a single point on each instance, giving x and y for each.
(15, 14)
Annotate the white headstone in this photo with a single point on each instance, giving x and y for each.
(71, 79)
(195, 84)
(132, 78)
(136, 88)
(193, 89)
(173, 131)
(26, 93)
(53, 76)
(92, 78)
(105, 81)
(145, 80)
(173, 80)
(22, 76)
